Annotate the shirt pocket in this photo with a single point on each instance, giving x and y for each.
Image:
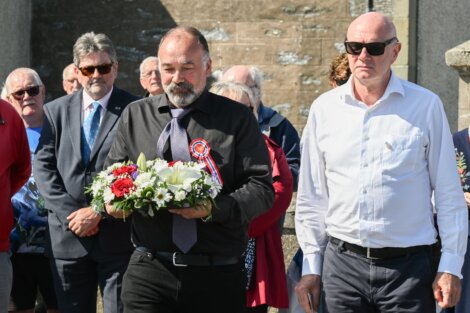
(400, 154)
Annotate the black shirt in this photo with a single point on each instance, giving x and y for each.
(239, 152)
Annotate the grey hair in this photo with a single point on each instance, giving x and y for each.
(4, 93)
(91, 42)
(148, 59)
(257, 77)
(236, 89)
(25, 70)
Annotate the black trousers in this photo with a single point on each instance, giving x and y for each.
(355, 284)
(154, 286)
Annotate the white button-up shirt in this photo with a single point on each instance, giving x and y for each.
(368, 174)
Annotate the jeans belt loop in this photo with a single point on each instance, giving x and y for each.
(174, 260)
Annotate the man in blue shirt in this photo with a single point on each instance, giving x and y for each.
(31, 270)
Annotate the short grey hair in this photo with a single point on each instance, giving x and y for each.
(146, 60)
(236, 89)
(91, 42)
(4, 93)
(257, 77)
(25, 70)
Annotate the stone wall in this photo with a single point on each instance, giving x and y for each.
(291, 41)
(15, 28)
(458, 58)
(441, 26)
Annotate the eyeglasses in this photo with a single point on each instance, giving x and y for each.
(149, 73)
(373, 48)
(90, 70)
(31, 91)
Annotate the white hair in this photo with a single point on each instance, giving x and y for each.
(4, 93)
(25, 70)
(148, 59)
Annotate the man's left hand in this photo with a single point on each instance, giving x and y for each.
(84, 222)
(199, 211)
(447, 289)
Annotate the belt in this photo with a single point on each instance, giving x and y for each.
(180, 259)
(378, 253)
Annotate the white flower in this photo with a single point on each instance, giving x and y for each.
(144, 180)
(187, 187)
(213, 192)
(158, 164)
(180, 195)
(178, 175)
(108, 195)
(208, 180)
(162, 197)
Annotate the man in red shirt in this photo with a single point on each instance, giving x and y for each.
(15, 168)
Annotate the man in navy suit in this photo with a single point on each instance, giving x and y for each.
(86, 249)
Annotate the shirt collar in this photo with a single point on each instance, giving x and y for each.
(394, 86)
(87, 100)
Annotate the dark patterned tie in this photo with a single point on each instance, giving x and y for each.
(184, 230)
(90, 128)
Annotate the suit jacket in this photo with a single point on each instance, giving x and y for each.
(61, 176)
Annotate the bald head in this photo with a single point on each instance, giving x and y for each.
(239, 74)
(372, 48)
(70, 79)
(249, 76)
(371, 26)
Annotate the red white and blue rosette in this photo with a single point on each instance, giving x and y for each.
(200, 149)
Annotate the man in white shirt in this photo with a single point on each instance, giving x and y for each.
(374, 151)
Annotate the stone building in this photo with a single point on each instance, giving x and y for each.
(292, 41)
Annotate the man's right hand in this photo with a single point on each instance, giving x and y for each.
(309, 284)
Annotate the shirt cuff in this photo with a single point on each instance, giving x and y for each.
(451, 263)
(312, 264)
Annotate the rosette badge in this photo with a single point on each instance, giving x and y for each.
(149, 186)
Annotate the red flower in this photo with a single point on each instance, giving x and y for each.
(122, 187)
(125, 169)
(171, 163)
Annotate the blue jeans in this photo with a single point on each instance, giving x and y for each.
(355, 284)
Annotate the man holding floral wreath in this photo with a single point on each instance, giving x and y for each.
(206, 275)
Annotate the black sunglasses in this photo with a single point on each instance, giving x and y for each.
(31, 91)
(90, 70)
(373, 48)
